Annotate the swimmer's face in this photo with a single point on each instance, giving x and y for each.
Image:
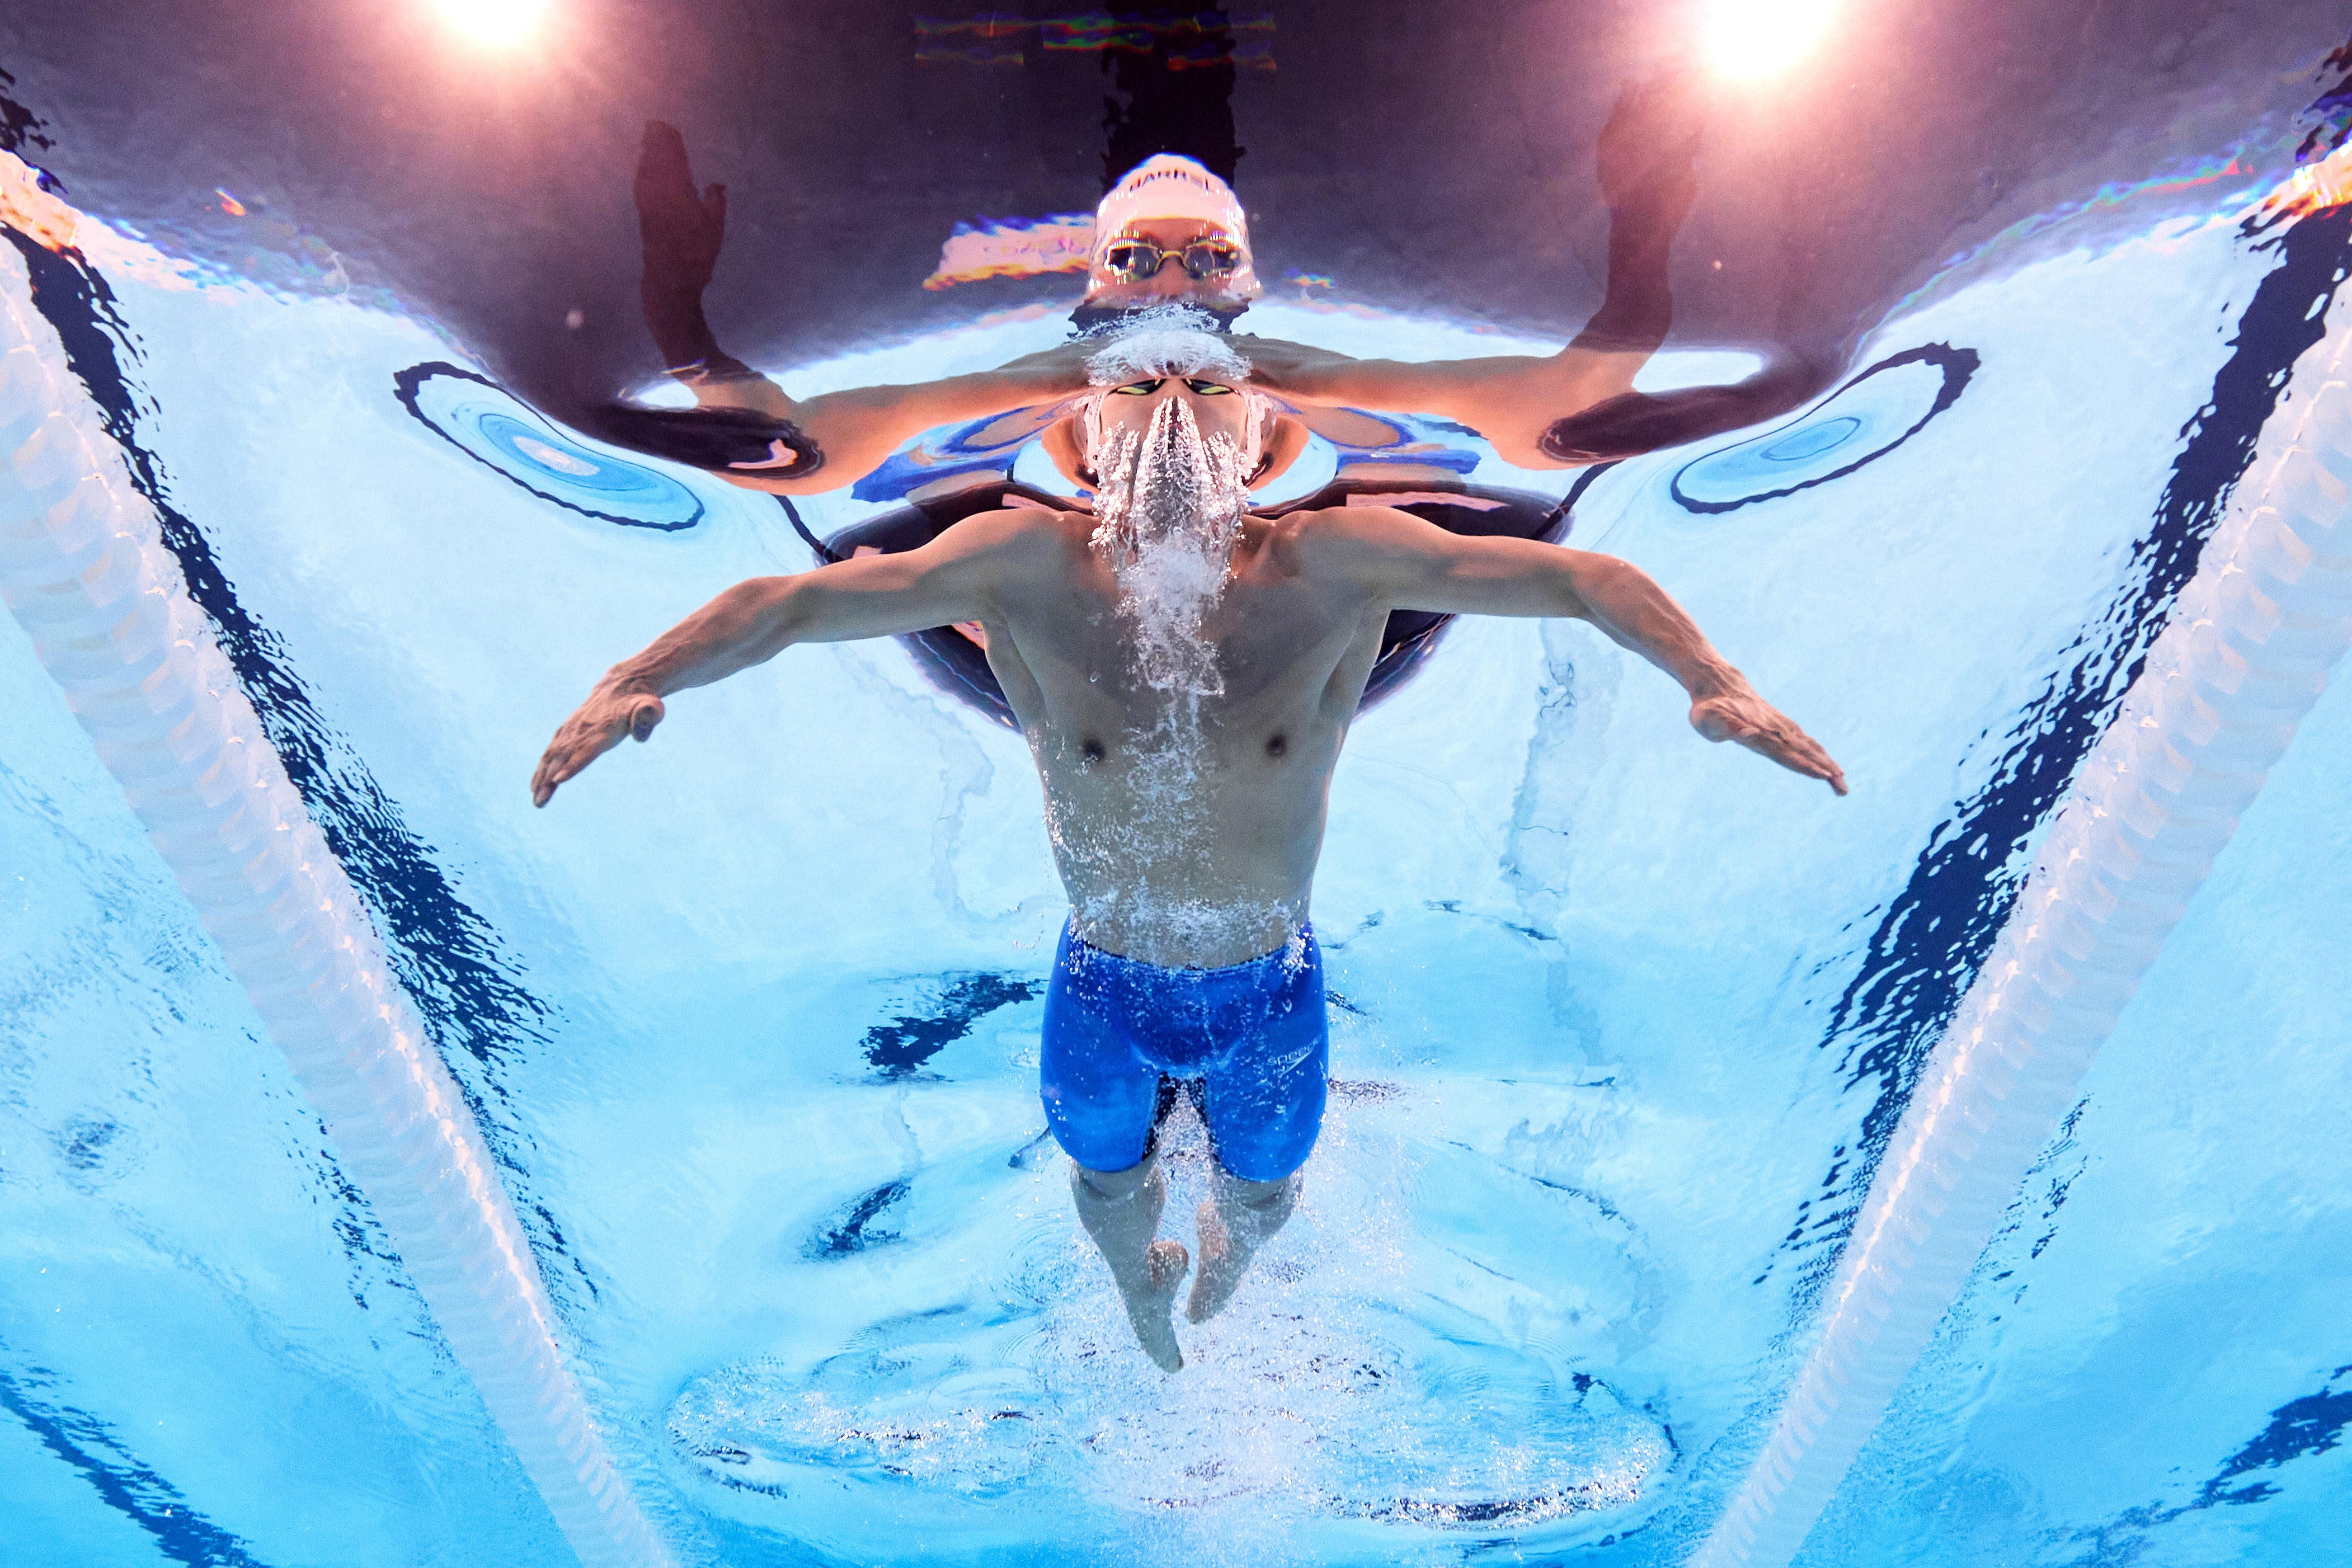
(1218, 407)
(1108, 288)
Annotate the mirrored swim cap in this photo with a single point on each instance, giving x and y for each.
(1169, 185)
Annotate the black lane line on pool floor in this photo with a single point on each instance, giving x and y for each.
(2297, 1429)
(126, 1484)
(853, 1229)
(905, 1045)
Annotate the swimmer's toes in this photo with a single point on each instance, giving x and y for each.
(1219, 1277)
(1152, 1311)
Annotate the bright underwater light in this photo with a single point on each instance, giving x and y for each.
(493, 23)
(1760, 37)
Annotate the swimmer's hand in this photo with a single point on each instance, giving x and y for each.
(615, 708)
(1648, 145)
(1738, 714)
(682, 228)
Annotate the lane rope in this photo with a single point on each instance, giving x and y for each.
(2240, 663)
(83, 567)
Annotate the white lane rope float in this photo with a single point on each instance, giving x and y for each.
(2240, 661)
(83, 567)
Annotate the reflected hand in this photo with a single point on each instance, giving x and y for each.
(1740, 714)
(613, 710)
(1652, 137)
(682, 230)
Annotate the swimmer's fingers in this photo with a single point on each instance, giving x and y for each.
(1751, 721)
(599, 726)
(1798, 752)
(1654, 132)
(576, 746)
(663, 171)
(682, 228)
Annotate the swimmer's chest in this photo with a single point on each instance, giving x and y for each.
(1269, 640)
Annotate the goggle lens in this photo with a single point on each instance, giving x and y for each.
(1136, 261)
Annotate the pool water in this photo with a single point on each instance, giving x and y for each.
(750, 1015)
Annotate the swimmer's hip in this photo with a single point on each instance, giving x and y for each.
(1249, 1043)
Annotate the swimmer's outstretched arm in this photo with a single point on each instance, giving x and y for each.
(954, 577)
(746, 430)
(1576, 406)
(1408, 564)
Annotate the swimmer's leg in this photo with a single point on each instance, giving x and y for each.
(1120, 1209)
(1238, 1218)
(1263, 1106)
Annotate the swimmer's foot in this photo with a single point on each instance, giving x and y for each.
(1241, 1219)
(1151, 1306)
(1221, 1266)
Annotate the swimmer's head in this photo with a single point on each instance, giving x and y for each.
(1165, 366)
(1169, 230)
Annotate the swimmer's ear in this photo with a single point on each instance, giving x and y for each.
(1061, 440)
(1284, 442)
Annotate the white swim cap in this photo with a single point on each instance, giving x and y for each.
(1169, 185)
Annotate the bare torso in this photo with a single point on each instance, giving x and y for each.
(1186, 831)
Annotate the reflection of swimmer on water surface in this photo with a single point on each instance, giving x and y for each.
(1185, 671)
(1172, 233)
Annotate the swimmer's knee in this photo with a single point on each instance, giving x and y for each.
(1257, 1194)
(1116, 1185)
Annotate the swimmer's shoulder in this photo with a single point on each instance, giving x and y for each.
(1028, 520)
(1019, 533)
(1330, 535)
(1354, 548)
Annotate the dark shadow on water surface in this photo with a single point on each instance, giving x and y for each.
(909, 1041)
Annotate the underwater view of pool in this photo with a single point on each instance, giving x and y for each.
(750, 1018)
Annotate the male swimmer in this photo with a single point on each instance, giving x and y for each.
(1169, 232)
(1185, 673)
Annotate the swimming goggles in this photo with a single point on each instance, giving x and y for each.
(1140, 260)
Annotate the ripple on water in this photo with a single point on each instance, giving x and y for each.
(1333, 1395)
(1861, 422)
(481, 420)
(1316, 1419)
